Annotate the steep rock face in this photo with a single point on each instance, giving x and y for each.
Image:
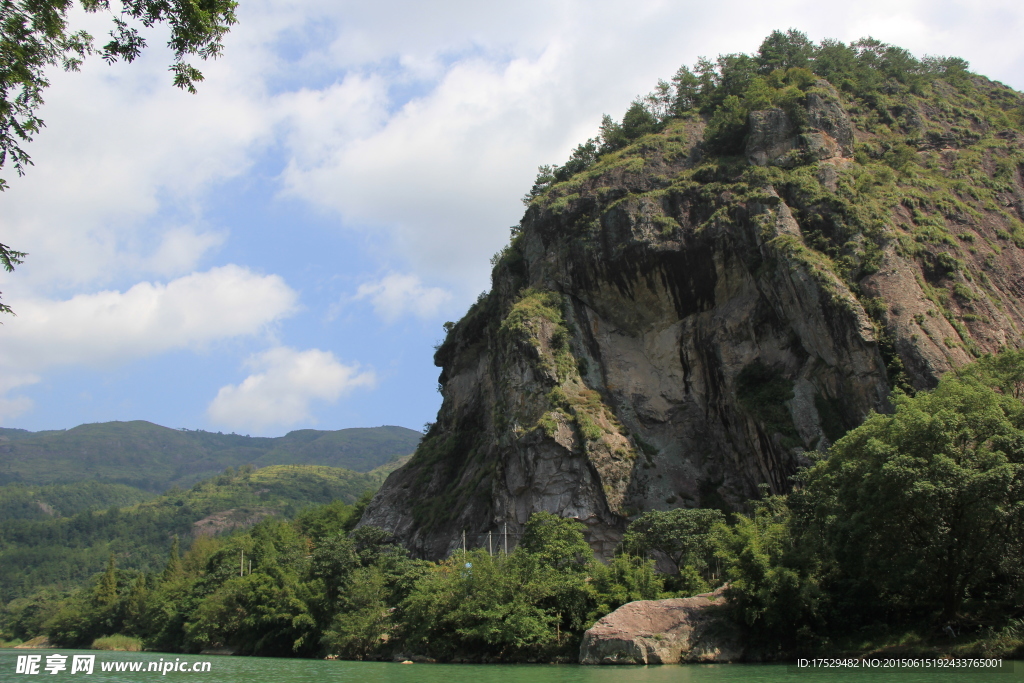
(671, 330)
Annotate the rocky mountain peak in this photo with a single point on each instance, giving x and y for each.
(678, 325)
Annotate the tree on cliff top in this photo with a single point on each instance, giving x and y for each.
(779, 74)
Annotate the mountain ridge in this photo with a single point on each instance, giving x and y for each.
(154, 458)
(61, 548)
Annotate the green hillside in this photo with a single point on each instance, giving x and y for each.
(154, 458)
(40, 549)
(24, 501)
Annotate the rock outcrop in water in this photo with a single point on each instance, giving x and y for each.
(670, 328)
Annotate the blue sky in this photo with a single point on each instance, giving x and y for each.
(281, 250)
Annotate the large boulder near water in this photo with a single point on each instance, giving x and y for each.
(664, 632)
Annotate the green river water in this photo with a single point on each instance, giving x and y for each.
(258, 670)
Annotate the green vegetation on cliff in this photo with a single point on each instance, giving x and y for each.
(734, 274)
(881, 84)
(936, 156)
(936, 163)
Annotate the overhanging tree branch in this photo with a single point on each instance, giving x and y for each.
(34, 36)
(8, 259)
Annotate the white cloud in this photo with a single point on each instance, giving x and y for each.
(11, 408)
(416, 125)
(111, 327)
(122, 169)
(442, 174)
(178, 252)
(10, 380)
(428, 129)
(396, 295)
(352, 109)
(283, 385)
(508, 88)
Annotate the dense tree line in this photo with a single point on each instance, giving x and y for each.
(780, 74)
(912, 521)
(314, 586)
(64, 541)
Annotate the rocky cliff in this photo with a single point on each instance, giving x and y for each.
(670, 327)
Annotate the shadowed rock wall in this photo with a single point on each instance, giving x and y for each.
(672, 330)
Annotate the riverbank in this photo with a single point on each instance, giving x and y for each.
(284, 670)
(1004, 644)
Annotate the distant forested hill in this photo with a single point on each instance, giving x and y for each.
(154, 458)
(54, 536)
